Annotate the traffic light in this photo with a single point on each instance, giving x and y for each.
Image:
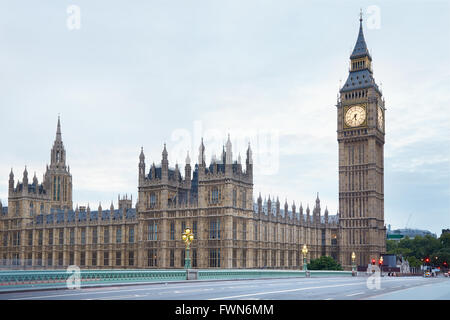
(373, 262)
(380, 262)
(427, 260)
(445, 264)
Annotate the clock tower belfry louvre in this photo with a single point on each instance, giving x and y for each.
(360, 133)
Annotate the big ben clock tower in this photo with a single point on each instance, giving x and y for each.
(361, 131)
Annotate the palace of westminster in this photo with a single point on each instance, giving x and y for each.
(40, 229)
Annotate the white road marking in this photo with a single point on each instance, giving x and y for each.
(354, 294)
(283, 291)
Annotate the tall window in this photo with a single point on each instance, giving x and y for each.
(234, 198)
(131, 258)
(214, 229)
(94, 235)
(182, 257)
(244, 258)
(83, 236)
(49, 259)
(61, 236)
(106, 258)
(16, 238)
(244, 199)
(183, 226)
(256, 231)
(118, 258)
(214, 258)
(194, 258)
(194, 228)
(172, 230)
(131, 235)
(172, 257)
(40, 237)
(60, 259)
(50, 237)
(215, 195)
(94, 258)
(71, 258)
(152, 231)
(31, 209)
(106, 235)
(30, 238)
(119, 234)
(244, 231)
(152, 258)
(234, 230)
(152, 200)
(83, 258)
(72, 236)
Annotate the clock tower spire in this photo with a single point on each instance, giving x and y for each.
(360, 135)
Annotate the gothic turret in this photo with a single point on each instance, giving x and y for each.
(165, 165)
(141, 165)
(187, 169)
(57, 178)
(249, 162)
(11, 181)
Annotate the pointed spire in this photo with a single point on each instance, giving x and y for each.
(201, 154)
(11, 175)
(249, 155)
(25, 175)
(35, 179)
(360, 48)
(188, 160)
(164, 153)
(142, 156)
(58, 130)
(229, 153)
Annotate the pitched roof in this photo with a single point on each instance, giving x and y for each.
(360, 49)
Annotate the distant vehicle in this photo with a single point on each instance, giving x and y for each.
(427, 274)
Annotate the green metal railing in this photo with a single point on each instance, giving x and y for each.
(38, 279)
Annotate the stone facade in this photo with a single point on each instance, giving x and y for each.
(39, 228)
(360, 123)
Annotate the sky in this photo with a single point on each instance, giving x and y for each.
(125, 75)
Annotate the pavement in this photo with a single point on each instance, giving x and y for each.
(352, 288)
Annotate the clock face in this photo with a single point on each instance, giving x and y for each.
(380, 118)
(355, 116)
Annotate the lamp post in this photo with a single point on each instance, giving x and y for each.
(353, 263)
(381, 265)
(305, 252)
(187, 237)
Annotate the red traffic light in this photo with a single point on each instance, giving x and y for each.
(445, 263)
(427, 260)
(373, 261)
(380, 262)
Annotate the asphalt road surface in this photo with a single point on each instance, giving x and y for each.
(355, 288)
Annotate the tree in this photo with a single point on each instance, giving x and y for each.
(324, 263)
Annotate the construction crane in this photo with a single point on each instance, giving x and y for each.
(409, 218)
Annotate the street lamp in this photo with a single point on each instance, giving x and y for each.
(381, 265)
(187, 237)
(305, 252)
(353, 262)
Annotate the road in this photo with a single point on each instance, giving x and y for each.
(355, 288)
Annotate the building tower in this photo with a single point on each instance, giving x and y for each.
(360, 133)
(58, 180)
